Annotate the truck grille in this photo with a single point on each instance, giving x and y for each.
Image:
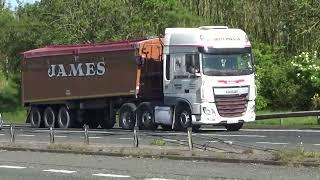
(231, 105)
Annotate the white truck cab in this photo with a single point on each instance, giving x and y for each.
(211, 69)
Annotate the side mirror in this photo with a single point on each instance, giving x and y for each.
(194, 71)
(191, 70)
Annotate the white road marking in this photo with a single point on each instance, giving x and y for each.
(98, 132)
(211, 141)
(157, 179)
(280, 130)
(60, 136)
(59, 171)
(1, 134)
(166, 133)
(75, 131)
(233, 135)
(170, 140)
(26, 135)
(111, 175)
(12, 167)
(276, 143)
(94, 137)
(316, 144)
(26, 141)
(126, 138)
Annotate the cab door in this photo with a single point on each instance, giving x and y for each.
(173, 72)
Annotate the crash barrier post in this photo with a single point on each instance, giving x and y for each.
(190, 138)
(51, 135)
(135, 137)
(86, 134)
(12, 139)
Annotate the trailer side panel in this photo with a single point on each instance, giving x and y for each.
(82, 76)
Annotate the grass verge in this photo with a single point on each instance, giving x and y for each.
(69, 147)
(297, 156)
(158, 142)
(16, 117)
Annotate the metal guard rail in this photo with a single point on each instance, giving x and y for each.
(287, 115)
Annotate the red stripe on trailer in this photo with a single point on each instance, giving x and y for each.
(81, 49)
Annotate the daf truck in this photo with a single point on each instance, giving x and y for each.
(188, 78)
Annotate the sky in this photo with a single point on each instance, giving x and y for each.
(13, 3)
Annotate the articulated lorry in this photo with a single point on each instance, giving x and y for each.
(191, 77)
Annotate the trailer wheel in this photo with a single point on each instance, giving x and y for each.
(183, 117)
(64, 118)
(35, 117)
(49, 117)
(233, 127)
(145, 117)
(127, 118)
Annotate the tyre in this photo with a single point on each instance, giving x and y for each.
(35, 117)
(183, 117)
(127, 116)
(65, 118)
(233, 127)
(49, 117)
(145, 115)
(106, 122)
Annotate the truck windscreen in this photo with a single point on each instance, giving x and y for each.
(227, 64)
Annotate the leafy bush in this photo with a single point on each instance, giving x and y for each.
(315, 101)
(276, 89)
(10, 97)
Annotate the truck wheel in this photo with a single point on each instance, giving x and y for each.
(64, 118)
(35, 117)
(146, 117)
(183, 117)
(233, 127)
(127, 117)
(49, 117)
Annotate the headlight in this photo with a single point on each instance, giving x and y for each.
(208, 111)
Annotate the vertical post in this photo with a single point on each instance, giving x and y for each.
(51, 136)
(12, 139)
(281, 121)
(135, 133)
(86, 134)
(190, 138)
(318, 119)
(1, 121)
(135, 137)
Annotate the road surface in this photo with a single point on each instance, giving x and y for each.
(50, 166)
(265, 138)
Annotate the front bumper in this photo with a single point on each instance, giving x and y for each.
(215, 118)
